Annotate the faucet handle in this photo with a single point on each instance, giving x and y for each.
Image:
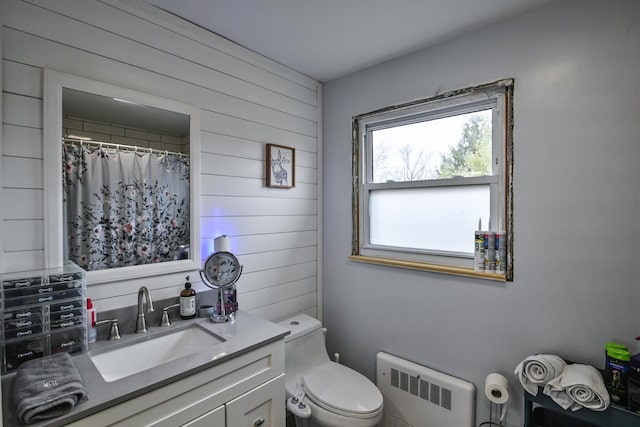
(114, 332)
(165, 315)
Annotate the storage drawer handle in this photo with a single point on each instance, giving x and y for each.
(259, 422)
(24, 324)
(67, 307)
(22, 334)
(67, 316)
(44, 291)
(67, 344)
(27, 354)
(22, 284)
(45, 299)
(20, 315)
(65, 278)
(64, 325)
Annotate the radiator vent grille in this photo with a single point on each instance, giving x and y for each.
(445, 398)
(415, 395)
(415, 385)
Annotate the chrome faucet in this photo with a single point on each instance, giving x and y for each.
(143, 296)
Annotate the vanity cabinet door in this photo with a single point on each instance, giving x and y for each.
(213, 418)
(263, 406)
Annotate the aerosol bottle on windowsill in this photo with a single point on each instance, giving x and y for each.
(478, 248)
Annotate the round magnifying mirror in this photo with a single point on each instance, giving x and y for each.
(221, 271)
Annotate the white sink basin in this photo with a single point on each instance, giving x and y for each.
(140, 356)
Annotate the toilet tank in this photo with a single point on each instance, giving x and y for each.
(305, 346)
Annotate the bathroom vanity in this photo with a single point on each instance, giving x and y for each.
(236, 377)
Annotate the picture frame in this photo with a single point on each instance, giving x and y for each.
(280, 166)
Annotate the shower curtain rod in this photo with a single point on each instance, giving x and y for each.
(118, 146)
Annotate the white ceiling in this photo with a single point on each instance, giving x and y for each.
(331, 38)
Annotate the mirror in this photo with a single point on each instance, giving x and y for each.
(126, 203)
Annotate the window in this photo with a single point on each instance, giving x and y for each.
(425, 172)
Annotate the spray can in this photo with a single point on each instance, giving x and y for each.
(478, 246)
(501, 252)
(490, 250)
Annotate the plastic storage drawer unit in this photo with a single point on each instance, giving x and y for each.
(43, 312)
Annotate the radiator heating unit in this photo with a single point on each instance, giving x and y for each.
(417, 396)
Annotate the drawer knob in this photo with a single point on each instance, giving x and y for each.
(259, 422)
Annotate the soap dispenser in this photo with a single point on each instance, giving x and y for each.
(187, 301)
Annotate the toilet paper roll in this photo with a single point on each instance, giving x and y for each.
(496, 388)
(222, 244)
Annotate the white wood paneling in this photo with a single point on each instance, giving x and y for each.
(287, 308)
(22, 172)
(64, 58)
(213, 121)
(246, 101)
(243, 80)
(252, 281)
(276, 259)
(267, 296)
(238, 226)
(21, 79)
(23, 235)
(29, 204)
(251, 101)
(251, 187)
(241, 206)
(20, 141)
(23, 260)
(21, 110)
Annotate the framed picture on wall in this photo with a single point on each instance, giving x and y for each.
(281, 166)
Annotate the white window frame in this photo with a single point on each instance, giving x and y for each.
(498, 97)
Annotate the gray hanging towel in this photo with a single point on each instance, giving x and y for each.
(47, 388)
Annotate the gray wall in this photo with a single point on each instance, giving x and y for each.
(577, 110)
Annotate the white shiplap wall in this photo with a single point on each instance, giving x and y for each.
(246, 101)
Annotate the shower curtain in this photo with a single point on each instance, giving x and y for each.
(124, 207)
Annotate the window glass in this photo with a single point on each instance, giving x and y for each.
(406, 218)
(458, 145)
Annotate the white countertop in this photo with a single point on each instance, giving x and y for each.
(244, 334)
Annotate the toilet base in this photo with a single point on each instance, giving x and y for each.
(308, 422)
(305, 422)
(322, 418)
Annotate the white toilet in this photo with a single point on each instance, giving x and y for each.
(321, 392)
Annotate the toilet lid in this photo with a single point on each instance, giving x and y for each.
(340, 389)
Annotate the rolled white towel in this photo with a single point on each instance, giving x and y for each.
(538, 370)
(579, 386)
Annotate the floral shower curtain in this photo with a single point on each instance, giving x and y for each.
(123, 207)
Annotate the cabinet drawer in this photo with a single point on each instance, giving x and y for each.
(28, 329)
(65, 277)
(70, 340)
(44, 297)
(262, 406)
(214, 418)
(21, 283)
(65, 316)
(66, 306)
(66, 323)
(18, 352)
(33, 314)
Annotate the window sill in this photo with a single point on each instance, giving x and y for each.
(436, 268)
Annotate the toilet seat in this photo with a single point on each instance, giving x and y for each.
(342, 390)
